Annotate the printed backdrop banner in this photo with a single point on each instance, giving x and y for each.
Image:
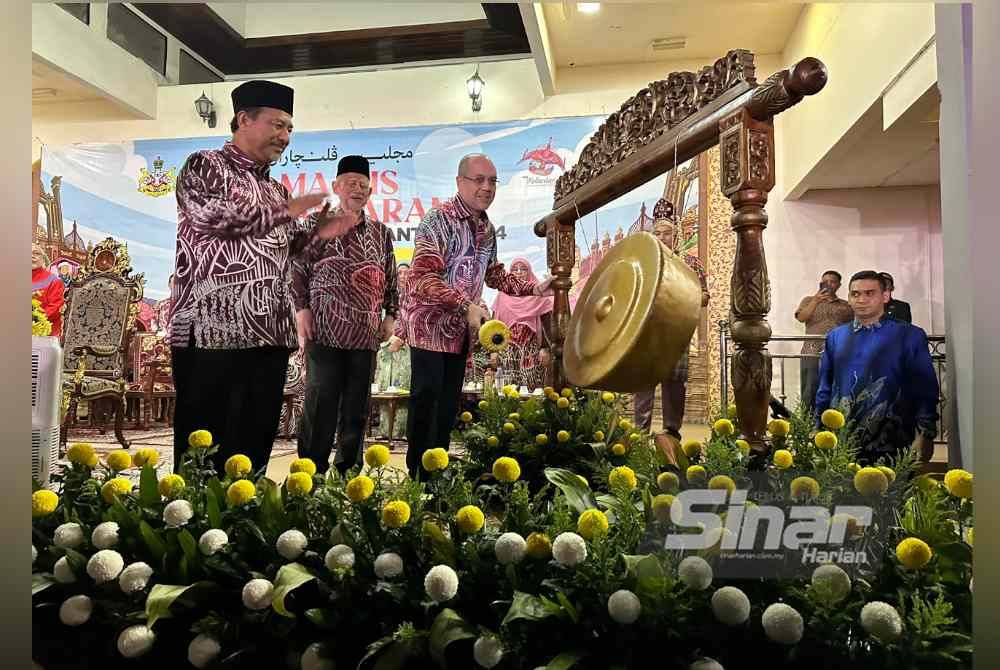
(126, 190)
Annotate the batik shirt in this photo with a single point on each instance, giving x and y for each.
(455, 252)
(234, 242)
(348, 283)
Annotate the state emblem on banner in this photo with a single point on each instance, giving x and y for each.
(157, 182)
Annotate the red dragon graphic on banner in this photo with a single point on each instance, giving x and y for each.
(543, 159)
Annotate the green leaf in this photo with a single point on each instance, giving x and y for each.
(289, 578)
(162, 596)
(374, 648)
(188, 546)
(272, 511)
(77, 562)
(396, 655)
(448, 627)
(578, 496)
(157, 547)
(565, 660)
(215, 486)
(528, 607)
(149, 493)
(40, 582)
(123, 516)
(321, 618)
(212, 508)
(442, 547)
(568, 607)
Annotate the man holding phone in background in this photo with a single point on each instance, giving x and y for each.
(821, 313)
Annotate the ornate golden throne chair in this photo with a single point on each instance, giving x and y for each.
(99, 317)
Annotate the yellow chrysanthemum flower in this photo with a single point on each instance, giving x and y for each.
(723, 427)
(539, 546)
(119, 460)
(238, 465)
(622, 476)
(377, 456)
(889, 473)
(492, 441)
(434, 459)
(661, 507)
(592, 523)
(508, 428)
(926, 483)
(562, 436)
(913, 553)
(722, 482)
(145, 456)
(968, 536)
(832, 419)
(958, 482)
(608, 397)
(466, 417)
(779, 428)
(171, 486)
(618, 449)
(119, 486)
(825, 439)
(783, 459)
(360, 488)
(599, 436)
(562, 403)
(566, 393)
(541, 439)
(470, 519)
(853, 468)
(731, 411)
(514, 416)
(668, 482)
(200, 439)
(494, 335)
(241, 492)
(691, 448)
(804, 488)
(299, 484)
(696, 474)
(625, 425)
(743, 446)
(483, 405)
(506, 469)
(870, 482)
(43, 503)
(306, 465)
(82, 453)
(395, 514)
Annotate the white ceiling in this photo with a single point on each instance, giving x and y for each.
(622, 33)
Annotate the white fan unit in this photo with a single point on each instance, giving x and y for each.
(46, 389)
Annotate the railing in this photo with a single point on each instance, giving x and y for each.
(936, 344)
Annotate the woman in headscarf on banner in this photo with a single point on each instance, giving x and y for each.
(526, 317)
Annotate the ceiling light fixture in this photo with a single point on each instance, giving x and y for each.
(588, 7)
(474, 85)
(668, 43)
(43, 93)
(206, 110)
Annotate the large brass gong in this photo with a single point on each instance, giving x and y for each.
(634, 319)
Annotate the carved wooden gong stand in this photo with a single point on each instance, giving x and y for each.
(661, 126)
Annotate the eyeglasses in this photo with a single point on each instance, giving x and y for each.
(481, 180)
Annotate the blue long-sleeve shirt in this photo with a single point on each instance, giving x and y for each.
(883, 375)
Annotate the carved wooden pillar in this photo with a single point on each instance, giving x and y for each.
(746, 147)
(560, 243)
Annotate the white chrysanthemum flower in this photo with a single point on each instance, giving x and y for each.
(569, 549)
(257, 594)
(312, 660)
(695, 572)
(509, 548)
(340, 556)
(783, 624)
(388, 565)
(730, 606)
(212, 540)
(970, 584)
(177, 513)
(881, 620)
(832, 579)
(706, 664)
(487, 651)
(68, 536)
(134, 577)
(135, 641)
(105, 565)
(62, 572)
(203, 650)
(624, 607)
(76, 610)
(441, 583)
(291, 544)
(34, 554)
(105, 535)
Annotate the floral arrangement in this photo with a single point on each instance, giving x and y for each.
(468, 567)
(40, 324)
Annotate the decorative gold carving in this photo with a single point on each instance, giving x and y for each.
(652, 111)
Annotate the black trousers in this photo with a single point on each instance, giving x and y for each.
(808, 380)
(235, 394)
(338, 387)
(435, 392)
